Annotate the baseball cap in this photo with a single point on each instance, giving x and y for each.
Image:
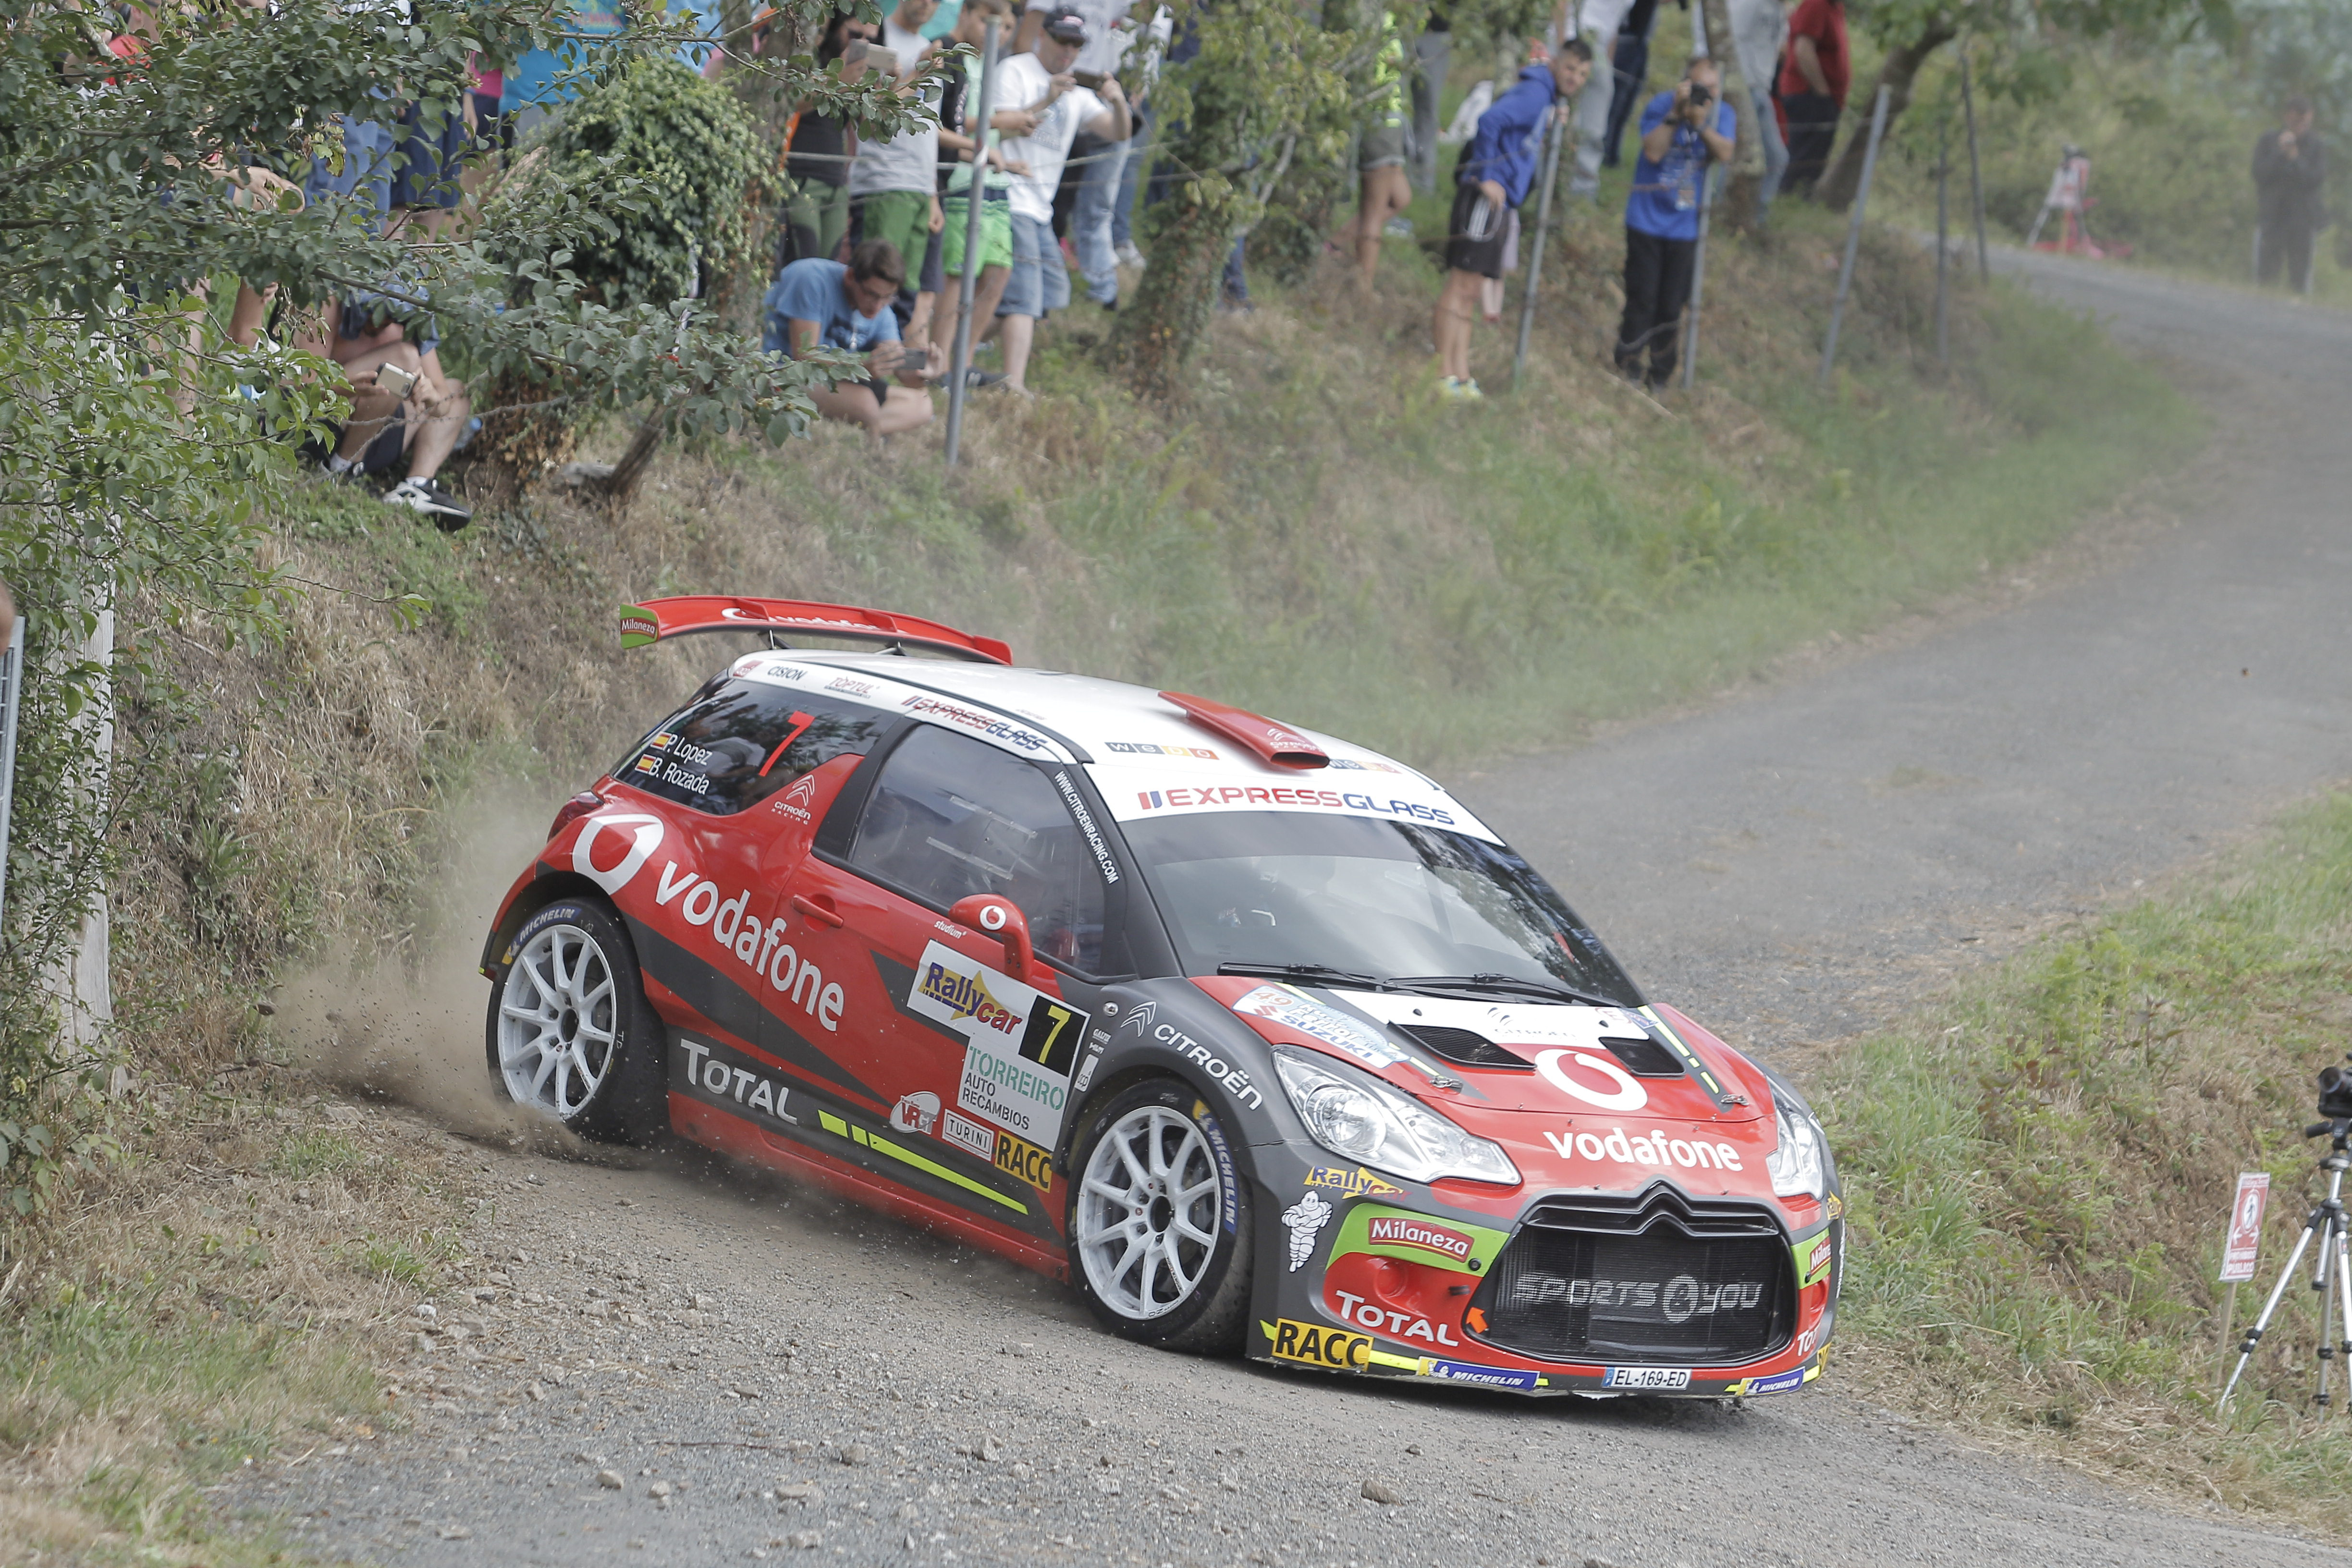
(1066, 26)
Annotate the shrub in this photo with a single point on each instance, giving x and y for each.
(697, 152)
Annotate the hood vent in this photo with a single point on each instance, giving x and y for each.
(1465, 1047)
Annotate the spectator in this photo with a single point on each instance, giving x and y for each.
(1684, 130)
(1629, 70)
(402, 405)
(1047, 108)
(1491, 179)
(1379, 158)
(816, 212)
(1812, 90)
(2290, 173)
(958, 147)
(894, 184)
(1142, 68)
(819, 303)
(1098, 162)
(1600, 23)
(1759, 29)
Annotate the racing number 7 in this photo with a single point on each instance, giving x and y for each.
(1050, 1039)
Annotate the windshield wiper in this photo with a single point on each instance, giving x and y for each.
(1306, 973)
(1551, 990)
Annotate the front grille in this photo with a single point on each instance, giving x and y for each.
(1661, 1278)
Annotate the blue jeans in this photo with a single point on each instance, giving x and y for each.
(1776, 153)
(1091, 222)
(1130, 169)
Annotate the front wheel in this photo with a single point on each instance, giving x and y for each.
(1159, 1221)
(571, 1033)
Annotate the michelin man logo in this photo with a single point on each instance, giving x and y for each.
(1306, 1218)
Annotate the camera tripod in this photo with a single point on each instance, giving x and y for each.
(2327, 1223)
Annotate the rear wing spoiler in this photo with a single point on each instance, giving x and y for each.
(656, 620)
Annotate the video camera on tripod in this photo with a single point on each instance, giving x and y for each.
(2334, 1262)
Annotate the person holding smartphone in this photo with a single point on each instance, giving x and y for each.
(1685, 131)
(819, 303)
(1496, 167)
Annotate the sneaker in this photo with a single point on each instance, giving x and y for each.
(1397, 228)
(420, 495)
(1128, 256)
(1463, 389)
(980, 380)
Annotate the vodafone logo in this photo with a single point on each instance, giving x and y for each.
(1628, 1094)
(646, 839)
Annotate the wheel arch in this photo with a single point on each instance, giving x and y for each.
(528, 901)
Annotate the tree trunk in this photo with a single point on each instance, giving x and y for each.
(1739, 206)
(622, 482)
(1838, 187)
(1191, 235)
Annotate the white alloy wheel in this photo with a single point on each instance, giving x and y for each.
(557, 1021)
(1148, 1213)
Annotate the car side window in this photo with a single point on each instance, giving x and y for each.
(740, 742)
(950, 817)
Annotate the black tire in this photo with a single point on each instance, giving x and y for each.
(1212, 1313)
(572, 952)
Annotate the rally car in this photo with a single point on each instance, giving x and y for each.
(1258, 1039)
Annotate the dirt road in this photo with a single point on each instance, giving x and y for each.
(679, 1363)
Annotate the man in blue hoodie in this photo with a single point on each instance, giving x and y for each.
(1497, 165)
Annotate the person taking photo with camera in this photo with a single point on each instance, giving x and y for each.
(1685, 132)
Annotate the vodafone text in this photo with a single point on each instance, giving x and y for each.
(759, 945)
(1643, 1149)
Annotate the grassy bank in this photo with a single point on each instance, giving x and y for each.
(1312, 533)
(2039, 1173)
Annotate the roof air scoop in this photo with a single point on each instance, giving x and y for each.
(1277, 743)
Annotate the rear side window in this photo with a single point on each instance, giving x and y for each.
(740, 742)
(949, 817)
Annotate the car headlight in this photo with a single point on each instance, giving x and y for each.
(1358, 1117)
(1797, 1166)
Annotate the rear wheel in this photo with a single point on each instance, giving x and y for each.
(569, 1033)
(1149, 1243)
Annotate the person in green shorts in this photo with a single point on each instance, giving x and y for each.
(1379, 158)
(815, 208)
(956, 149)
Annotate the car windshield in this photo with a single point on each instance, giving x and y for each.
(1384, 899)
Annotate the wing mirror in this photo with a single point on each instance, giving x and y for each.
(1002, 918)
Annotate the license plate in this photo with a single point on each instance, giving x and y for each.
(1647, 1377)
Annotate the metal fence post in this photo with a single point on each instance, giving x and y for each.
(1976, 173)
(1699, 280)
(975, 199)
(12, 686)
(1943, 243)
(1854, 235)
(1535, 260)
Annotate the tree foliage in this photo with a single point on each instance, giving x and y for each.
(693, 146)
(139, 449)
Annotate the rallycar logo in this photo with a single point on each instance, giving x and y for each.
(1287, 794)
(1356, 1184)
(966, 997)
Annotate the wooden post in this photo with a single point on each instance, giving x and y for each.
(975, 197)
(1853, 236)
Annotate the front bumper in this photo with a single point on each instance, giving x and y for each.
(1581, 1292)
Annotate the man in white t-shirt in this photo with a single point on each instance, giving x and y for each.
(894, 184)
(1044, 110)
(1108, 37)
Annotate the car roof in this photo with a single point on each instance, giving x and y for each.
(1146, 756)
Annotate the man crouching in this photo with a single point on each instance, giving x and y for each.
(817, 302)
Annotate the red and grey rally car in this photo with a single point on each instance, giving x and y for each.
(1258, 1039)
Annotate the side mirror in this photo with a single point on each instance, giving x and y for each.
(1002, 918)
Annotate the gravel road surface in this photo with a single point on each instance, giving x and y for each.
(681, 1363)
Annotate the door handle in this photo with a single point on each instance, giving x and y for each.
(820, 912)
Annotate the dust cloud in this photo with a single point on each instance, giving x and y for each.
(410, 1029)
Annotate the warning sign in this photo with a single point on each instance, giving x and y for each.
(2245, 1238)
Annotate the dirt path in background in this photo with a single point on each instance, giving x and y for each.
(753, 1372)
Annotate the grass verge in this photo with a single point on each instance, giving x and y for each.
(2039, 1173)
